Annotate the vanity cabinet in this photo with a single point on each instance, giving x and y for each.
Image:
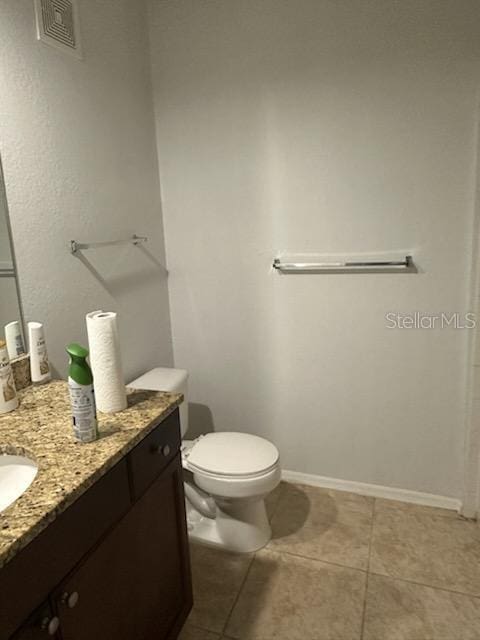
(132, 586)
(133, 582)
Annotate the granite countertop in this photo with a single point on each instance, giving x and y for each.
(41, 429)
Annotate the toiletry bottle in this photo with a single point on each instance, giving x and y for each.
(39, 365)
(14, 339)
(8, 393)
(82, 396)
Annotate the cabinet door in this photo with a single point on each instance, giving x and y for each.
(136, 584)
(40, 626)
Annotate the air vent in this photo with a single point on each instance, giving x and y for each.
(57, 25)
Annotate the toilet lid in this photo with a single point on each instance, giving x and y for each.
(233, 454)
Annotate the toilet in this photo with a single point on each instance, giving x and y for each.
(227, 476)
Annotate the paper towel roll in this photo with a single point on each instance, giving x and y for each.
(106, 361)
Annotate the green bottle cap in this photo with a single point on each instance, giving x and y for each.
(77, 351)
(79, 370)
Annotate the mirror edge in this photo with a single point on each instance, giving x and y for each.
(3, 195)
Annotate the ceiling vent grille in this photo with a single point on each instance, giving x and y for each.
(57, 25)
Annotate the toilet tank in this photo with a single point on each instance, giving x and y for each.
(163, 379)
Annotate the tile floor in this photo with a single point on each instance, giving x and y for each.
(343, 567)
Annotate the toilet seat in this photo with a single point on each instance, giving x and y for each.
(225, 476)
(229, 487)
(231, 455)
(232, 465)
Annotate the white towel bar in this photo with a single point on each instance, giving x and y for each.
(345, 267)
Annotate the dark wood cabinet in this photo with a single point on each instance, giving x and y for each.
(133, 586)
(115, 565)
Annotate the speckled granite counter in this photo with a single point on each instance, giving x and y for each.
(41, 429)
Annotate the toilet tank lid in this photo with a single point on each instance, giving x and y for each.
(161, 379)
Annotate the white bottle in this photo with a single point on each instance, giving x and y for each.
(8, 393)
(39, 365)
(14, 338)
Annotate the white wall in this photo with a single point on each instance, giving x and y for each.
(333, 127)
(78, 150)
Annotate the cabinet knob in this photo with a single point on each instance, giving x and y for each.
(70, 599)
(51, 625)
(164, 450)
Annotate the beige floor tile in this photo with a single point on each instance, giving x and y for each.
(333, 526)
(217, 578)
(308, 505)
(439, 550)
(291, 598)
(190, 632)
(399, 610)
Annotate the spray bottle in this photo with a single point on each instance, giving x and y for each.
(82, 397)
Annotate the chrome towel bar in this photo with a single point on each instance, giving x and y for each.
(346, 267)
(79, 246)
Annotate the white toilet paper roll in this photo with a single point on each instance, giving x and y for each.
(106, 361)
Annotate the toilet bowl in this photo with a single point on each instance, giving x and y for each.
(227, 476)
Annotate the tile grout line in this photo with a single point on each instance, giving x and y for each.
(197, 628)
(321, 560)
(364, 611)
(224, 628)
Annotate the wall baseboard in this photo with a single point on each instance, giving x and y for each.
(374, 490)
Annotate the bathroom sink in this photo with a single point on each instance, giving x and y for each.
(16, 475)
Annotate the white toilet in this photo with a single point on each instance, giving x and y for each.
(227, 476)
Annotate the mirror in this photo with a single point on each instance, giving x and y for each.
(10, 307)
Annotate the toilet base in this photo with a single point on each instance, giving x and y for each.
(239, 525)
